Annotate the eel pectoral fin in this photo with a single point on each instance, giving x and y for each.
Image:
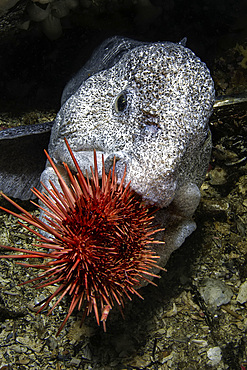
(22, 159)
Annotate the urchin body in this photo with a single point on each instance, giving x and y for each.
(147, 104)
(99, 237)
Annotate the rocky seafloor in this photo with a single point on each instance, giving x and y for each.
(196, 316)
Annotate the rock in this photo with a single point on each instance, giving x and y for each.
(214, 355)
(75, 361)
(215, 206)
(6, 5)
(215, 292)
(217, 176)
(242, 294)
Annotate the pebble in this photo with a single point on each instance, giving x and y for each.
(75, 361)
(218, 176)
(214, 355)
(242, 184)
(17, 348)
(215, 206)
(215, 292)
(242, 294)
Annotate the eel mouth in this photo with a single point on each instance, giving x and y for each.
(156, 191)
(85, 160)
(120, 171)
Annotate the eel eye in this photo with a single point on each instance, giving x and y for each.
(121, 102)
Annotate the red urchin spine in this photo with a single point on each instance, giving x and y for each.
(100, 241)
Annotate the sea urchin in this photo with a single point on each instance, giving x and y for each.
(99, 249)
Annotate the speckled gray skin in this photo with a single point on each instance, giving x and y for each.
(148, 104)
